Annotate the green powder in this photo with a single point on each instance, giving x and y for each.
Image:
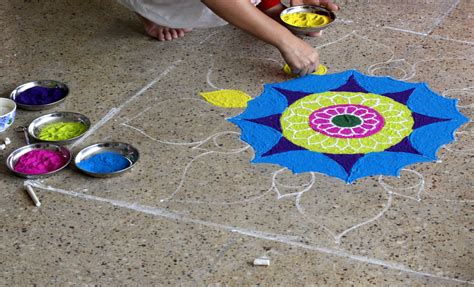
(62, 131)
(345, 121)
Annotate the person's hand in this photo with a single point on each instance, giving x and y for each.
(325, 3)
(301, 57)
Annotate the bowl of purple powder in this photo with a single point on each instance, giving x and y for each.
(39, 95)
(106, 159)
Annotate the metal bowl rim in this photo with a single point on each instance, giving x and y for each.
(30, 132)
(96, 174)
(14, 94)
(37, 146)
(14, 108)
(331, 14)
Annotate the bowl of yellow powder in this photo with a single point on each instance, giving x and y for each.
(307, 18)
(60, 128)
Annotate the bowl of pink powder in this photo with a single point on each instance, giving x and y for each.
(39, 95)
(38, 160)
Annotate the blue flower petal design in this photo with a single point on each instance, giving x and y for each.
(305, 161)
(434, 121)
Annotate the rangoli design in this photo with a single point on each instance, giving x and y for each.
(227, 98)
(348, 125)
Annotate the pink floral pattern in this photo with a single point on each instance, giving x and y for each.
(371, 121)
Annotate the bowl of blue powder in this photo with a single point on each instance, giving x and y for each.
(106, 159)
(39, 95)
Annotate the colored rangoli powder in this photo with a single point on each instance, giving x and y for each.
(39, 162)
(40, 96)
(62, 131)
(105, 162)
(304, 20)
(321, 70)
(227, 98)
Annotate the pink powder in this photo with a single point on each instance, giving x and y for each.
(40, 161)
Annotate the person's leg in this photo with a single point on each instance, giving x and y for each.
(273, 8)
(161, 33)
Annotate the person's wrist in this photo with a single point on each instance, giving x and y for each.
(285, 42)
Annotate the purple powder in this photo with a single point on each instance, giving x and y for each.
(40, 96)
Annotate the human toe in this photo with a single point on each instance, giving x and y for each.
(174, 33)
(314, 34)
(167, 34)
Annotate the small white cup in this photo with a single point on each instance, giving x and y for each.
(7, 113)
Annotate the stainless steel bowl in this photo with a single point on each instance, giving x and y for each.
(308, 9)
(35, 126)
(16, 154)
(128, 151)
(42, 83)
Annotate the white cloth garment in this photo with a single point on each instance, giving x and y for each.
(186, 14)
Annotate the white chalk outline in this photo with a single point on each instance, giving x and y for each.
(291, 240)
(288, 240)
(420, 186)
(337, 237)
(468, 90)
(114, 111)
(423, 34)
(209, 73)
(174, 142)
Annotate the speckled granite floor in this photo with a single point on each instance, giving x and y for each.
(194, 211)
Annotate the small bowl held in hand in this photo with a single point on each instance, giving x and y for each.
(319, 16)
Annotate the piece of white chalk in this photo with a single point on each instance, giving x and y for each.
(262, 261)
(7, 141)
(32, 194)
(3, 146)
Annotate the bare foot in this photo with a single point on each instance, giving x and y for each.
(162, 33)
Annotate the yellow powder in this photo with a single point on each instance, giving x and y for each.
(227, 98)
(303, 19)
(61, 131)
(320, 71)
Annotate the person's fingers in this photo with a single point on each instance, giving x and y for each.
(168, 36)
(328, 4)
(174, 33)
(304, 71)
(310, 69)
(308, 2)
(296, 2)
(314, 34)
(313, 68)
(295, 71)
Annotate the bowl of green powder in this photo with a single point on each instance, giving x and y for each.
(106, 159)
(60, 127)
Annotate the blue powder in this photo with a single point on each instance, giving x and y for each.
(40, 96)
(105, 162)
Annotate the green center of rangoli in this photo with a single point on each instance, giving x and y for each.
(346, 121)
